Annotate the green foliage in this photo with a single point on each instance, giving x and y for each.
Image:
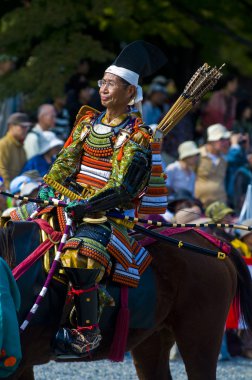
(49, 37)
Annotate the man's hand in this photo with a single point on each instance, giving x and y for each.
(46, 192)
(238, 138)
(77, 208)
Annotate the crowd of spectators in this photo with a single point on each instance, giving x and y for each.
(207, 157)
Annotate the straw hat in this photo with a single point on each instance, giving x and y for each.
(188, 149)
(216, 132)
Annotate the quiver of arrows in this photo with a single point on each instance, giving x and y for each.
(201, 82)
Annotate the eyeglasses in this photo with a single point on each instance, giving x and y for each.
(109, 83)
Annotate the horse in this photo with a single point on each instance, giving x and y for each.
(193, 294)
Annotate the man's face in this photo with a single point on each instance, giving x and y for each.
(221, 146)
(114, 93)
(47, 119)
(19, 132)
(192, 161)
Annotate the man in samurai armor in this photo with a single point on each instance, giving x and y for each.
(104, 165)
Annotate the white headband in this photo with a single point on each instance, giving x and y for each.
(130, 76)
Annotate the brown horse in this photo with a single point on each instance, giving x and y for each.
(194, 293)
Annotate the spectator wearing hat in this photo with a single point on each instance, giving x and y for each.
(26, 177)
(155, 105)
(34, 139)
(50, 147)
(192, 215)
(30, 189)
(180, 174)
(12, 153)
(181, 199)
(211, 171)
(219, 212)
(17, 182)
(26, 184)
(27, 189)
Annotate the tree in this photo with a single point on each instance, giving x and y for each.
(49, 37)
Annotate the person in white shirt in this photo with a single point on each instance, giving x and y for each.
(35, 138)
(180, 174)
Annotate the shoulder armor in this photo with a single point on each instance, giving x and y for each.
(81, 130)
(85, 110)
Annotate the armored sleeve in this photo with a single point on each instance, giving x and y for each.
(129, 176)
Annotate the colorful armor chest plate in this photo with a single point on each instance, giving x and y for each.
(98, 143)
(96, 163)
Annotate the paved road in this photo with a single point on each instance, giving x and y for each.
(236, 369)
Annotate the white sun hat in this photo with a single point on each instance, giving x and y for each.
(49, 141)
(28, 188)
(187, 149)
(216, 132)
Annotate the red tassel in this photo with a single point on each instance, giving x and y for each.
(120, 153)
(118, 347)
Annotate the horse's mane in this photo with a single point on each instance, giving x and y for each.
(7, 251)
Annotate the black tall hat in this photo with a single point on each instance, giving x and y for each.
(141, 57)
